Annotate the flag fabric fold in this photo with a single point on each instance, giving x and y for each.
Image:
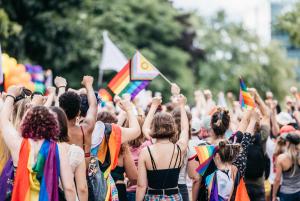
(112, 57)
(142, 69)
(40, 182)
(133, 77)
(205, 155)
(246, 101)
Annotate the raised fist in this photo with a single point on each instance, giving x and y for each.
(60, 82)
(87, 81)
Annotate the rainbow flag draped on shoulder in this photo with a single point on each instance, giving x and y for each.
(38, 182)
(205, 155)
(135, 76)
(246, 101)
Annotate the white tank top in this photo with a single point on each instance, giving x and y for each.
(76, 156)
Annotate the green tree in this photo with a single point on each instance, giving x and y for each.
(231, 51)
(67, 35)
(290, 23)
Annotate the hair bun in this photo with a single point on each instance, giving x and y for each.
(222, 144)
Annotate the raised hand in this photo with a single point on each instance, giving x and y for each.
(175, 90)
(125, 105)
(14, 90)
(252, 92)
(181, 99)
(156, 101)
(293, 90)
(51, 90)
(60, 82)
(87, 81)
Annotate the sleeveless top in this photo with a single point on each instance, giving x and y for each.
(290, 180)
(225, 183)
(76, 156)
(164, 178)
(118, 173)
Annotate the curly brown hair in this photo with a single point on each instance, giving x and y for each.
(163, 126)
(39, 123)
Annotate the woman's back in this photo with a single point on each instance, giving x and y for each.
(163, 165)
(290, 176)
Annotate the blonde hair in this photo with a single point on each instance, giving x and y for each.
(19, 110)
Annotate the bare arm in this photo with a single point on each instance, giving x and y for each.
(275, 127)
(10, 135)
(91, 115)
(277, 180)
(81, 183)
(61, 84)
(184, 135)
(245, 121)
(130, 168)
(50, 97)
(192, 165)
(142, 177)
(156, 101)
(134, 129)
(66, 176)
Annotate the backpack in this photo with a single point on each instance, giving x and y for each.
(256, 161)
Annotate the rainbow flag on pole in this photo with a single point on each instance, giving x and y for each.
(135, 76)
(205, 155)
(246, 101)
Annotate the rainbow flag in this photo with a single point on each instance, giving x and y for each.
(122, 84)
(40, 182)
(205, 155)
(246, 101)
(105, 95)
(108, 151)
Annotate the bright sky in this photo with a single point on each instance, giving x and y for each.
(254, 14)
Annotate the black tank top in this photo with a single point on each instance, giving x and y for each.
(164, 178)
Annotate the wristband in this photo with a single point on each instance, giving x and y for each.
(62, 87)
(8, 95)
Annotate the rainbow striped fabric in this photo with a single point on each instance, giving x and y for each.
(134, 77)
(105, 95)
(205, 154)
(38, 182)
(246, 101)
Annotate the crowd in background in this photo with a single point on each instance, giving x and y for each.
(68, 144)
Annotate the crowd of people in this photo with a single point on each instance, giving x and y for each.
(68, 144)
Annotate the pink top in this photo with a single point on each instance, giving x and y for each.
(135, 152)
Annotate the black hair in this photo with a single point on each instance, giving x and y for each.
(62, 123)
(220, 121)
(84, 105)
(70, 103)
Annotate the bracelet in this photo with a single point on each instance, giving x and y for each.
(62, 87)
(8, 95)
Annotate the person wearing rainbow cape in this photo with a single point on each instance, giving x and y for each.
(39, 162)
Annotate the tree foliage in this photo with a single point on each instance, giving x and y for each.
(67, 37)
(290, 23)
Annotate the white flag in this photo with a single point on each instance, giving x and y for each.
(1, 70)
(112, 57)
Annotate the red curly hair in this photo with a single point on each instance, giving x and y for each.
(39, 123)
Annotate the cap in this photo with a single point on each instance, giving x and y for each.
(284, 118)
(196, 125)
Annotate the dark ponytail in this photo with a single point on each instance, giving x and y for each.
(220, 121)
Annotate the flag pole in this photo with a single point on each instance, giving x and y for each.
(165, 78)
(100, 78)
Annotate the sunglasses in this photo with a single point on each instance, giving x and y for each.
(24, 94)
